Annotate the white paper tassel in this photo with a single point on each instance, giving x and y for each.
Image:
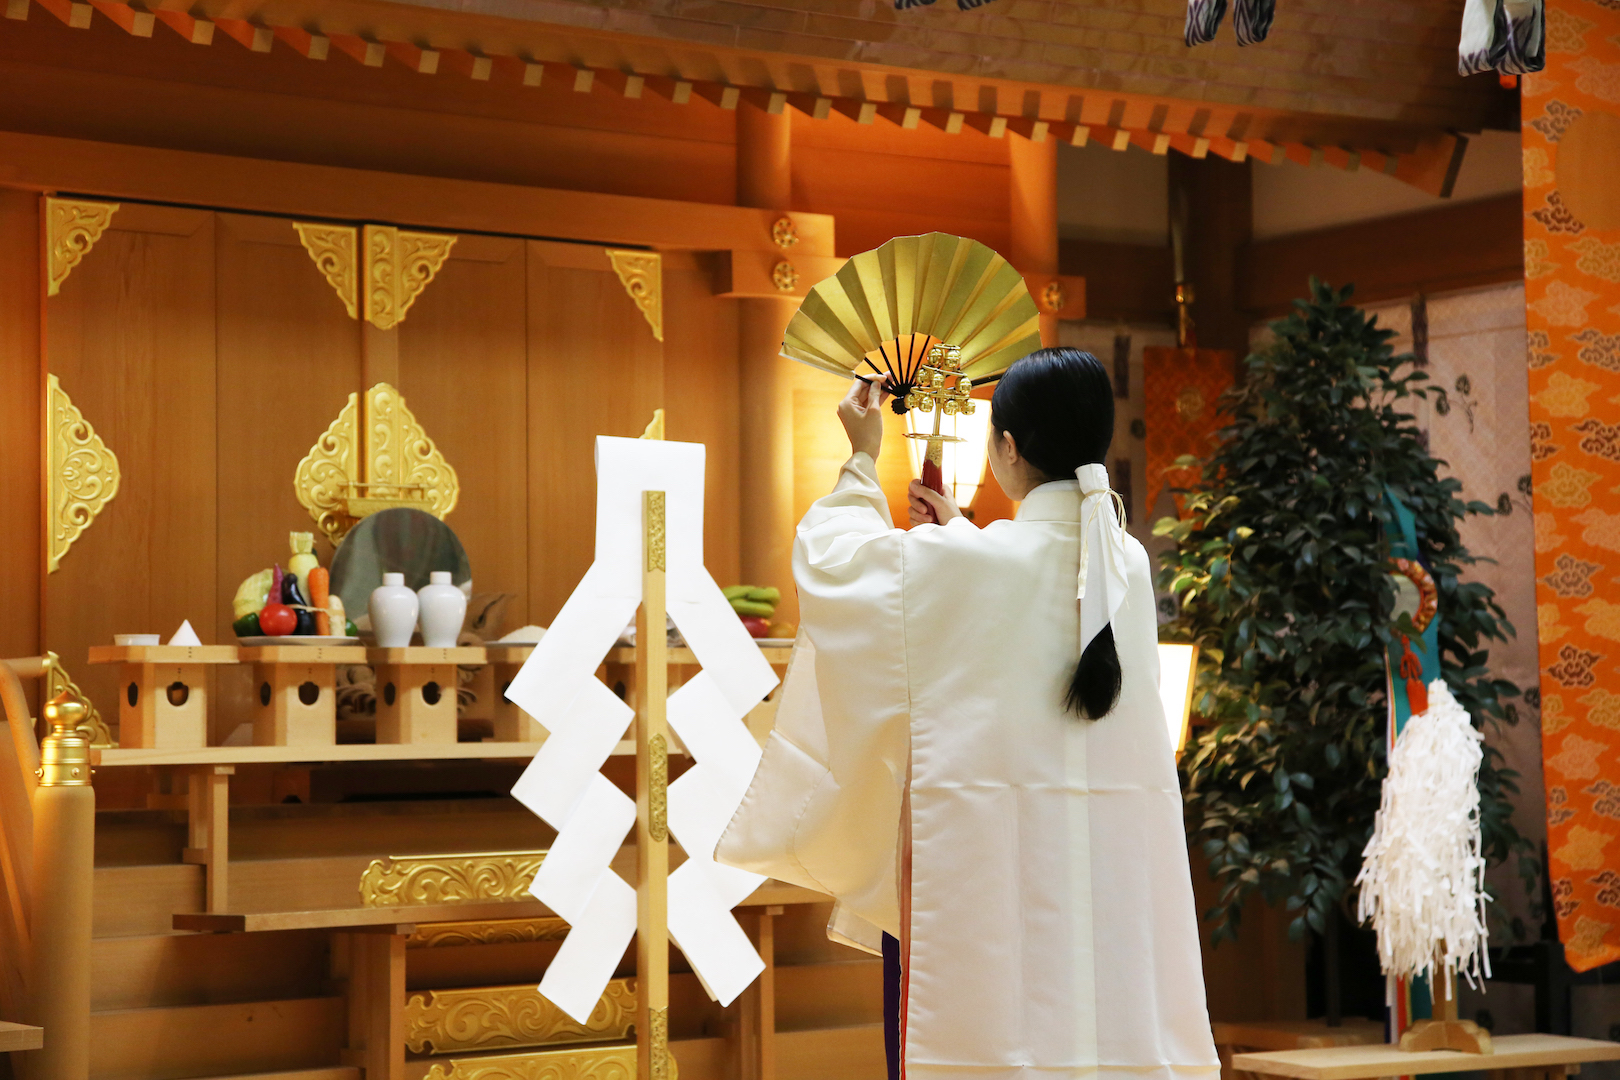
(1422, 876)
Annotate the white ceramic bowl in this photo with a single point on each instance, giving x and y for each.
(137, 639)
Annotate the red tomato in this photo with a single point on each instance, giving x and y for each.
(277, 620)
(757, 626)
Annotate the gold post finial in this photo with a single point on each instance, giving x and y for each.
(64, 754)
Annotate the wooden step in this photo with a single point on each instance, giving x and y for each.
(170, 970)
(234, 1039)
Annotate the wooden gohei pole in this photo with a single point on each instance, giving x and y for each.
(652, 806)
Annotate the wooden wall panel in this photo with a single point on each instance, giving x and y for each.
(289, 357)
(594, 369)
(700, 399)
(463, 359)
(21, 561)
(131, 337)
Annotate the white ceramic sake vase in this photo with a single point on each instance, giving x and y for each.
(444, 608)
(393, 612)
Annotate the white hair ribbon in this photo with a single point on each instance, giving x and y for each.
(1102, 525)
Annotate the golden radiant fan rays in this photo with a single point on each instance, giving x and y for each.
(915, 291)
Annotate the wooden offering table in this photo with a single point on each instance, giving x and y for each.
(163, 702)
(1516, 1057)
(1240, 1038)
(416, 692)
(295, 692)
(512, 724)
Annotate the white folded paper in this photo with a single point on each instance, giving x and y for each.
(563, 784)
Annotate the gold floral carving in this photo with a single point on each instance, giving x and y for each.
(662, 1063)
(784, 277)
(373, 458)
(653, 516)
(332, 247)
(658, 790)
(322, 480)
(1054, 297)
(443, 935)
(72, 227)
(642, 275)
(594, 1063)
(399, 265)
(81, 472)
(58, 681)
(502, 1017)
(784, 234)
(404, 880)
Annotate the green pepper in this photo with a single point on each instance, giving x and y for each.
(247, 625)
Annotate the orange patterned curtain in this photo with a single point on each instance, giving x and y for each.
(1180, 389)
(1572, 295)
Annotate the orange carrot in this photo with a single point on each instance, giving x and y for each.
(319, 593)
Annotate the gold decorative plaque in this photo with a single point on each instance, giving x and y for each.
(72, 227)
(93, 727)
(653, 514)
(443, 935)
(81, 472)
(399, 265)
(658, 789)
(371, 460)
(332, 247)
(501, 1017)
(784, 277)
(404, 880)
(642, 275)
(595, 1063)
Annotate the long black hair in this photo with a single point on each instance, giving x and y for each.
(1058, 405)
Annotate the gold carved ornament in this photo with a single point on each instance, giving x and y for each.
(658, 790)
(72, 227)
(662, 1064)
(1054, 297)
(441, 935)
(642, 275)
(784, 234)
(58, 682)
(652, 507)
(374, 456)
(502, 1017)
(81, 472)
(407, 880)
(784, 277)
(582, 1063)
(399, 264)
(332, 247)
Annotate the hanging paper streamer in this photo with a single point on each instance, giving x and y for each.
(564, 784)
(1422, 878)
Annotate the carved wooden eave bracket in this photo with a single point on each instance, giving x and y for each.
(642, 275)
(374, 456)
(81, 472)
(72, 227)
(395, 265)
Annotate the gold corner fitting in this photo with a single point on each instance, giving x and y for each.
(642, 275)
(72, 227)
(406, 880)
(81, 472)
(655, 426)
(399, 265)
(652, 513)
(658, 789)
(333, 249)
(373, 457)
(509, 1017)
(575, 1063)
(92, 727)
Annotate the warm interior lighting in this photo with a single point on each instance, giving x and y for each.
(1178, 665)
(964, 461)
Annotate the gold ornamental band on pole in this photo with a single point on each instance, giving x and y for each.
(652, 804)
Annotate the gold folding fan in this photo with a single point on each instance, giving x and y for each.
(886, 308)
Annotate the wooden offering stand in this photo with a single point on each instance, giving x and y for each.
(163, 703)
(416, 692)
(512, 724)
(295, 692)
(1513, 1057)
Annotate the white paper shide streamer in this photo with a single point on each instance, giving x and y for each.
(1422, 877)
(585, 720)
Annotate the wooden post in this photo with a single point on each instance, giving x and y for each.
(652, 808)
(1033, 247)
(208, 831)
(757, 1021)
(375, 964)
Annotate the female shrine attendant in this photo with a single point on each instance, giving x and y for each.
(974, 759)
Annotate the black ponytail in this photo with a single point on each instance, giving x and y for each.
(1058, 405)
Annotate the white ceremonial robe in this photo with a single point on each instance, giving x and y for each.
(1053, 931)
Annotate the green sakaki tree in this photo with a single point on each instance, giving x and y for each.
(1279, 567)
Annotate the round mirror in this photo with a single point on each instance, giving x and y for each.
(399, 541)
